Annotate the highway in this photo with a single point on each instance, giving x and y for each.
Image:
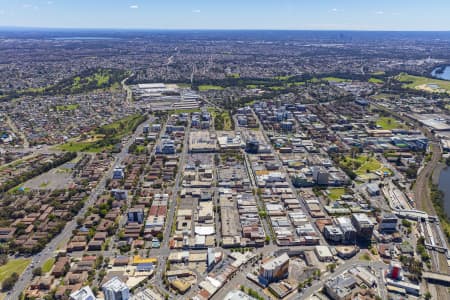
(129, 97)
(48, 252)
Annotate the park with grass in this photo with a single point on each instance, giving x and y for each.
(335, 79)
(222, 120)
(104, 137)
(209, 87)
(363, 164)
(376, 80)
(423, 83)
(389, 123)
(13, 266)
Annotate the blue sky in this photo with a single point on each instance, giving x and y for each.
(229, 14)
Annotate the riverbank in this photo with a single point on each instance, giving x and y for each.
(441, 72)
(437, 172)
(438, 198)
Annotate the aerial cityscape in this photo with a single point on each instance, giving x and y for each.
(151, 164)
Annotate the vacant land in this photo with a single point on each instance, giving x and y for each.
(389, 123)
(336, 193)
(51, 180)
(14, 265)
(423, 83)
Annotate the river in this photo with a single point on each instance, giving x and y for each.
(444, 74)
(444, 185)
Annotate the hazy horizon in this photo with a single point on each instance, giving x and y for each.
(351, 15)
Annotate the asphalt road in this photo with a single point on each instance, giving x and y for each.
(423, 200)
(163, 252)
(48, 252)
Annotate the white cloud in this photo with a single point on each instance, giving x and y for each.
(380, 12)
(30, 6)
(49, 2)
(134, 6)
(196, 11)
(337, 10)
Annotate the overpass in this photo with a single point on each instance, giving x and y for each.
(433, 277)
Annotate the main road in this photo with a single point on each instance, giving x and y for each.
(163, 252)
(48, 252)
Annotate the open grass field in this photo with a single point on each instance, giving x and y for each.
(336, 193)
(222, 120)
(423, 83)
(100, 78)
(277, 88)
(388, 123)
(363, 164)
(14, 265)
(283, 78)
(106, 136)
(335, 79)
(234, 75)
(207, 87)
(298, 83)
(376, 80)
(183, 85)
(47, 266)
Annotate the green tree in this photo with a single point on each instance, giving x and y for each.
(9, 282)
(37, 271)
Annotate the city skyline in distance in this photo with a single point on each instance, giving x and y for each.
(230, 15)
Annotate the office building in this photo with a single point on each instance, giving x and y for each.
(252, 146)
(363, 225)
(114, 289)
(388, 223)
(348, 231)
(275, 269)
(333, 234)
(136, 215)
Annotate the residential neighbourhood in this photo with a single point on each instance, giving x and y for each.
(223, 167)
